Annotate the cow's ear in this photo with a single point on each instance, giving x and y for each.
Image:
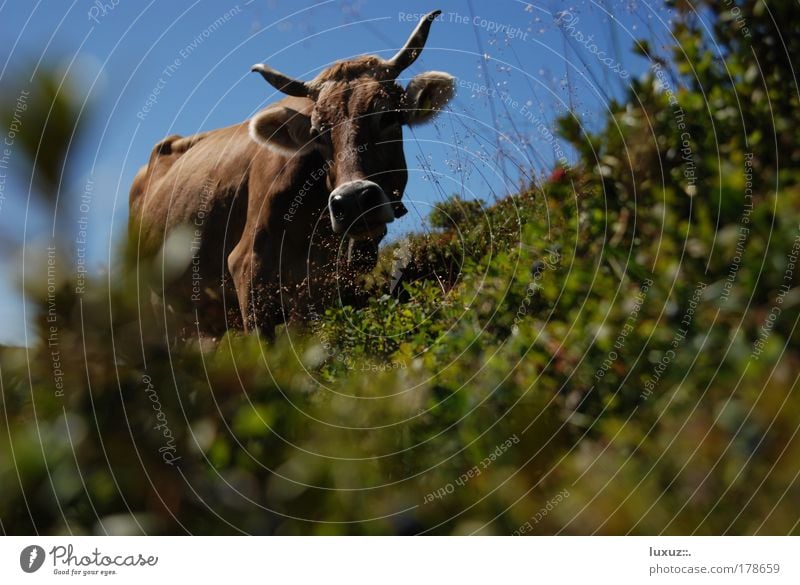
(283, 130)
(426, 94)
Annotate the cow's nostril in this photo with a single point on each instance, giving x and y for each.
(371, 197)
(338, 207)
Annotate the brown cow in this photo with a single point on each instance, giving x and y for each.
(279, 208)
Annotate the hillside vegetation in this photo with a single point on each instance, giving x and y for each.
(614, 350)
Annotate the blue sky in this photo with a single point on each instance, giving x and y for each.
(517, 70)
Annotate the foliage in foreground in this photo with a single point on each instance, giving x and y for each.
(613, 351)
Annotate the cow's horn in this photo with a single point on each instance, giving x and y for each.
(282, 82)
(414, 45)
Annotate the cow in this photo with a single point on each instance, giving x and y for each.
(278, 211)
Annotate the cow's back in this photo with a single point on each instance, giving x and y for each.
(192, 181)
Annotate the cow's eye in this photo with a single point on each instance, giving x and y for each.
(321, 133)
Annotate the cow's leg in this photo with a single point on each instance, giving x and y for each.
(239, 265)
(252, 276)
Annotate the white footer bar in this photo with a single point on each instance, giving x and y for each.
(397, 560)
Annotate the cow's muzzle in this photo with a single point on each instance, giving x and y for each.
(360, 208)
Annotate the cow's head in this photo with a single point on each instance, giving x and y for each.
(356, 124)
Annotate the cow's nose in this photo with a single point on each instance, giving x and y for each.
(359, 201)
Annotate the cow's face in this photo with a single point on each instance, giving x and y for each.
(356, 124)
